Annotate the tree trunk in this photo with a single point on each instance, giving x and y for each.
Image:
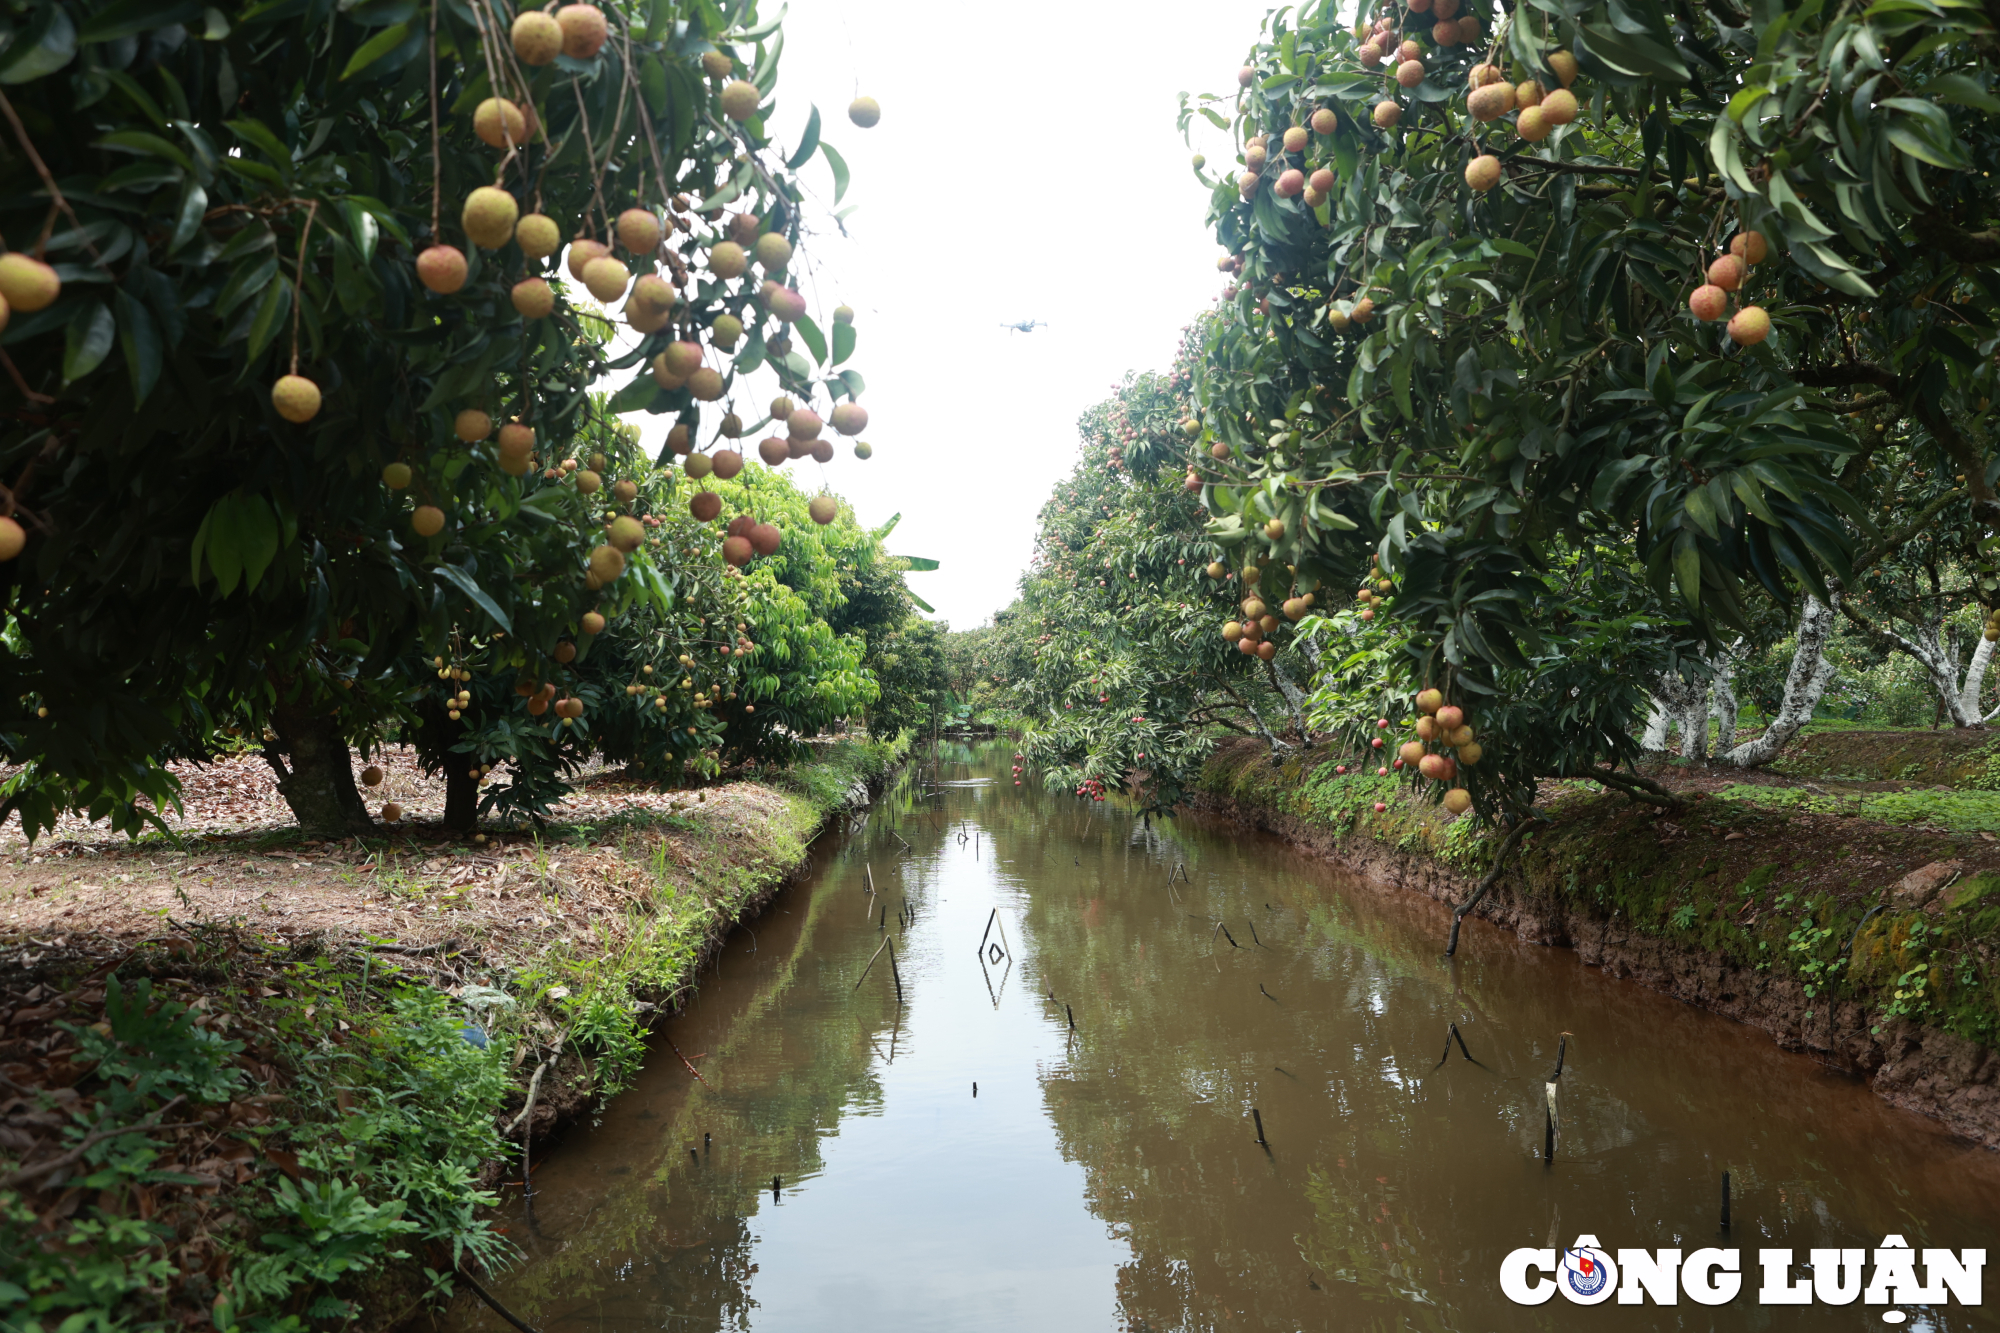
(1811, 671)
(461, 794)
(1658, 723)
(1975, 679)
(1723, 701)
(318, 781)
(1294, 700)
(1935, 650)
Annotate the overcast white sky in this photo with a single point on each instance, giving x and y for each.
(1026, 167)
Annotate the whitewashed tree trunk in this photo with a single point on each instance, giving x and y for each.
(1934, 647)
(1974, 683)
(1811, 671)
(1658, 723)
(1683, 705)
(1723, 703)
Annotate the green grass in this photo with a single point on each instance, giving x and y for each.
(1956, 811)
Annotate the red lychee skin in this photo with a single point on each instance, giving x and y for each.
(1708, 302)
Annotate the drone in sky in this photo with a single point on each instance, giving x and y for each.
(1026, 326)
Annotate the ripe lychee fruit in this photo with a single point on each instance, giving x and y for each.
(773, 451)
(1490, 102)
(1450, 717)
(639, 231)
(626, 533)
(1290, 183)
(824, 509)
(427, 521)
(27, 283)
(822, 451)
(371, 776)
(1256, 156)
(766, 538)
(849, 418)
(739, 99)
(737, 550)
(607, 563)
(1369, 54)
(726, 260)
(1709, 302)
(1296, 137)
(1324, 121)
(1410, 73)
(782, 409)
(396, 476)
(441, 268)
(391, 812)
(698, 466)
(785, 303)
(1483, 172)
(865, 112)
(296, 398)
(591, 622)
(533, 298)
(1559, 107)
(705, 384)
(1429, 701)
(682, 358)
(472, 425)
(1246, 184)
(1470, 752)
(1727, 272)
(1246, 76)
(538, 38)
(773, 252)
(1409, 51)
(1469, 28)
(488, 217)
(584, 30)
(606, 278)
(537, 236)
(1322, 182)
(804, 425)
(588, 482)
(499, 123)
(581, 252)
(651, 303)
(716, 64)
(1749, 246)
(1528, 93)
(1531, 124)
(1563, 65)
(1446, 33)
(1750, 326)
(727, 463)
(725, 331)
(1458, 800)
(664, 376)
(1387, 115)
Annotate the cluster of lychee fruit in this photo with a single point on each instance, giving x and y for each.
(1441, 724)
(1710, 301)
(1251, 634)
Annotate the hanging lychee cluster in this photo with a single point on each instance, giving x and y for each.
(1440, 727)
(1252, 635)
(1710, 301)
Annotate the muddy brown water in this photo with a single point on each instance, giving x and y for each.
(837, 1170)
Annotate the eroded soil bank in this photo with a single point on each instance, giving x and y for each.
(262, 1081)
(1870, 944)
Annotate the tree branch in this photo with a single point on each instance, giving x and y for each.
(1853, 372)
(1940, 233)
(1896, 540)
(1507, 845)
(1637, 788)
(1962, 452)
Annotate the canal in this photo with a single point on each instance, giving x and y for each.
(1053, 1128)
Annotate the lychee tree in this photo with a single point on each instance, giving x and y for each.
(288, 357)
(1128, 683)
(1642, 287)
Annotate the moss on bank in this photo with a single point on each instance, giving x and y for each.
(225, 1125)
(1772, 879)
